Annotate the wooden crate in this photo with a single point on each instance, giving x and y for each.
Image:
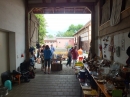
(56, 67)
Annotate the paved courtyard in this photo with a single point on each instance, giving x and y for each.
(49, 85)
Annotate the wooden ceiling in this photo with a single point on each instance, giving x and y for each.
(61, 6)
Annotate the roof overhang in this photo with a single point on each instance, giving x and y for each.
(61, 6)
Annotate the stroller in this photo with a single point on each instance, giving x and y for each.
(24, 70)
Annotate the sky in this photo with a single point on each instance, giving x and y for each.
(61, 22)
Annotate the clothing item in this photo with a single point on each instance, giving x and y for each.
(47, 54)
(74, 61)
(47, 62)
(69, 61)
(52, 49)
(69, 54)
(32, 61)
(74, 54)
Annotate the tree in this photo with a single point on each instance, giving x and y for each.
(49, 36)
(71, 31)
(60, 34)
(68, 34)
(42, 27)
(74, 28)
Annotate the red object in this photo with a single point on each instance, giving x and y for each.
(100, 47)
(22, 55)
(80, 58)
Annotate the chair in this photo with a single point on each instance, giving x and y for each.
(16, 76)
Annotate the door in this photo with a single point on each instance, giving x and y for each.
(33, 30)
(4, 52)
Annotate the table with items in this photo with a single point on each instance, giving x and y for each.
(103, 81)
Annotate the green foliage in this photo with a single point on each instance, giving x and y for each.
(60, 34)
(42, 27)
(71, 31)
(49, 36)
(74, 28)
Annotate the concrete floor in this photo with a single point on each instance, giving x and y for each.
(49, 85)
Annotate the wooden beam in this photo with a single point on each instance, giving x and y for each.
(96, 2)
(30, 10)
(78, 1)
(26, 30)
(53, 1)
(43, 1)
(68, 1)
(60, 4)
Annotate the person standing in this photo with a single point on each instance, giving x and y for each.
(32, 60)
(42, 57)
(74, 53)
(47, 58)
(38, 54)
(52, 50)
(69, 55)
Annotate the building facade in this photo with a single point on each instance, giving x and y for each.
(83, 37)
(60, 42)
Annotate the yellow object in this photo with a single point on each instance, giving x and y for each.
(90, 93)
(79, 65)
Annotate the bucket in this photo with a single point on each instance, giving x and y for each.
(82, 74)
(8, 84)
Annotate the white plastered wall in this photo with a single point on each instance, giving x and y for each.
(117, 42)
(12, 20)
